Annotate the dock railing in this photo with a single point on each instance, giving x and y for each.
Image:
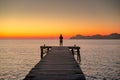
(74, 49)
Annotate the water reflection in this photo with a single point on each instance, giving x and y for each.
(100, 58)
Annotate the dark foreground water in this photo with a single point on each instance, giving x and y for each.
(100, 58)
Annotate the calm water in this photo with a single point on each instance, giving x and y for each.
(100, 58)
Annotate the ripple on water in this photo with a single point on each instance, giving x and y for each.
(100, 58)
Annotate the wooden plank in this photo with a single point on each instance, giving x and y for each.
(58, 64)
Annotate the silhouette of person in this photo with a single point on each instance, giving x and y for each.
(61, 40)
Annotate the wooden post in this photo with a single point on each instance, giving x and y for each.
(78, 55)
(41, 53)
(72, 51)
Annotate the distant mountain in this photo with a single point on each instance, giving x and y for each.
(98, 36)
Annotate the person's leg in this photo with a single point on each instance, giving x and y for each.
(60, 43)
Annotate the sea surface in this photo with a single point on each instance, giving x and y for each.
(100, 58)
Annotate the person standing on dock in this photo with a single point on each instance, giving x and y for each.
(61, 40)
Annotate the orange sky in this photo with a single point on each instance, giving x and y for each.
(51, 21)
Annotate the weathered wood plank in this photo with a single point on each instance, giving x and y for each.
(58, 64)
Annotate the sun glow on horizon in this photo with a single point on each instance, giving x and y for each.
(49, 20)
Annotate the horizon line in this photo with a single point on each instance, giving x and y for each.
(49, 37)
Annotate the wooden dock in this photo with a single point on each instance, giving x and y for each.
(58, 64)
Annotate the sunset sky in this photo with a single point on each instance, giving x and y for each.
(50, 18)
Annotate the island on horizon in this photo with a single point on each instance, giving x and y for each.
(98, 36)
